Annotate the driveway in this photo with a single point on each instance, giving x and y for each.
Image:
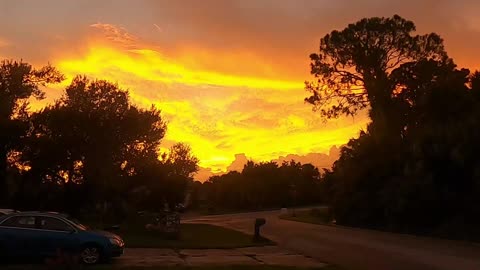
(356, 249)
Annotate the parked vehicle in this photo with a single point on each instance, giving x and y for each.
(44, 234)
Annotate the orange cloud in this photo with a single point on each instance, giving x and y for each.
(4, 42)
(115, 34)
(217, 111)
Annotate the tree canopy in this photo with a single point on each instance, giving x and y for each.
(415, 168)
(264, 185)
(364, 65)
(90, 148)
(19, 82)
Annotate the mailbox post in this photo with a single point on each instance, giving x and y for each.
(258, 223)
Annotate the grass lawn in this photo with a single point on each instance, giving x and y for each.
(314, 216)
(237, 267)
(225, 211)
(108, 267)
(192, 236)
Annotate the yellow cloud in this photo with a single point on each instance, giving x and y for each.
(151, 65)
(217, 111)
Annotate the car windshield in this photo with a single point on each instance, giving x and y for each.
(77, 224)
(81, 226)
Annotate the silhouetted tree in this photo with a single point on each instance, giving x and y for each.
(91, 141)
(415, 167)
(179, 165)
(181, 160)
(19, 82)
(165, 180)
(358, 67)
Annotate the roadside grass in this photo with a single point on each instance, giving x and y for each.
(314, 216)
(205, 211)
(233, 267)
(192, 236)
(109, 267)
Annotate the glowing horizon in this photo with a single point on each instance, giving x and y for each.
(217, 113)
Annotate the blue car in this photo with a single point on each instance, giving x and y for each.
(39, 234)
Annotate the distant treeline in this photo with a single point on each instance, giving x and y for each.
(260, 186)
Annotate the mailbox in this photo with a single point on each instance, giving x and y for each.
(259, 222)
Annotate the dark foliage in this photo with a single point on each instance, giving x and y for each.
(91, 151)
(416, 167)
(19, 82)
(264, 185)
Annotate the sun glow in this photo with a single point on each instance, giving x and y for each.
(219, 114)
(153, 66)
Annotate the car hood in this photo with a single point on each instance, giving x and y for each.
(105, 233)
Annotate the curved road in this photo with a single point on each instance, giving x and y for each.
(356, 249)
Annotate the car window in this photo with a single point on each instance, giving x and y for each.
(20, 222)
(78, 224)
(53, 224)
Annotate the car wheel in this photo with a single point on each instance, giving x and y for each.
(90, 255)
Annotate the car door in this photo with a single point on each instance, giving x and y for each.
(17, 234)
(55, 236)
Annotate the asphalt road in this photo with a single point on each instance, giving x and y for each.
(356, 249)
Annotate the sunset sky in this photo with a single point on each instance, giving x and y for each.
(227, 75)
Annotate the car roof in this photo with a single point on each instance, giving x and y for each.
(39, 213)
(61, 216)
(35, 213)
